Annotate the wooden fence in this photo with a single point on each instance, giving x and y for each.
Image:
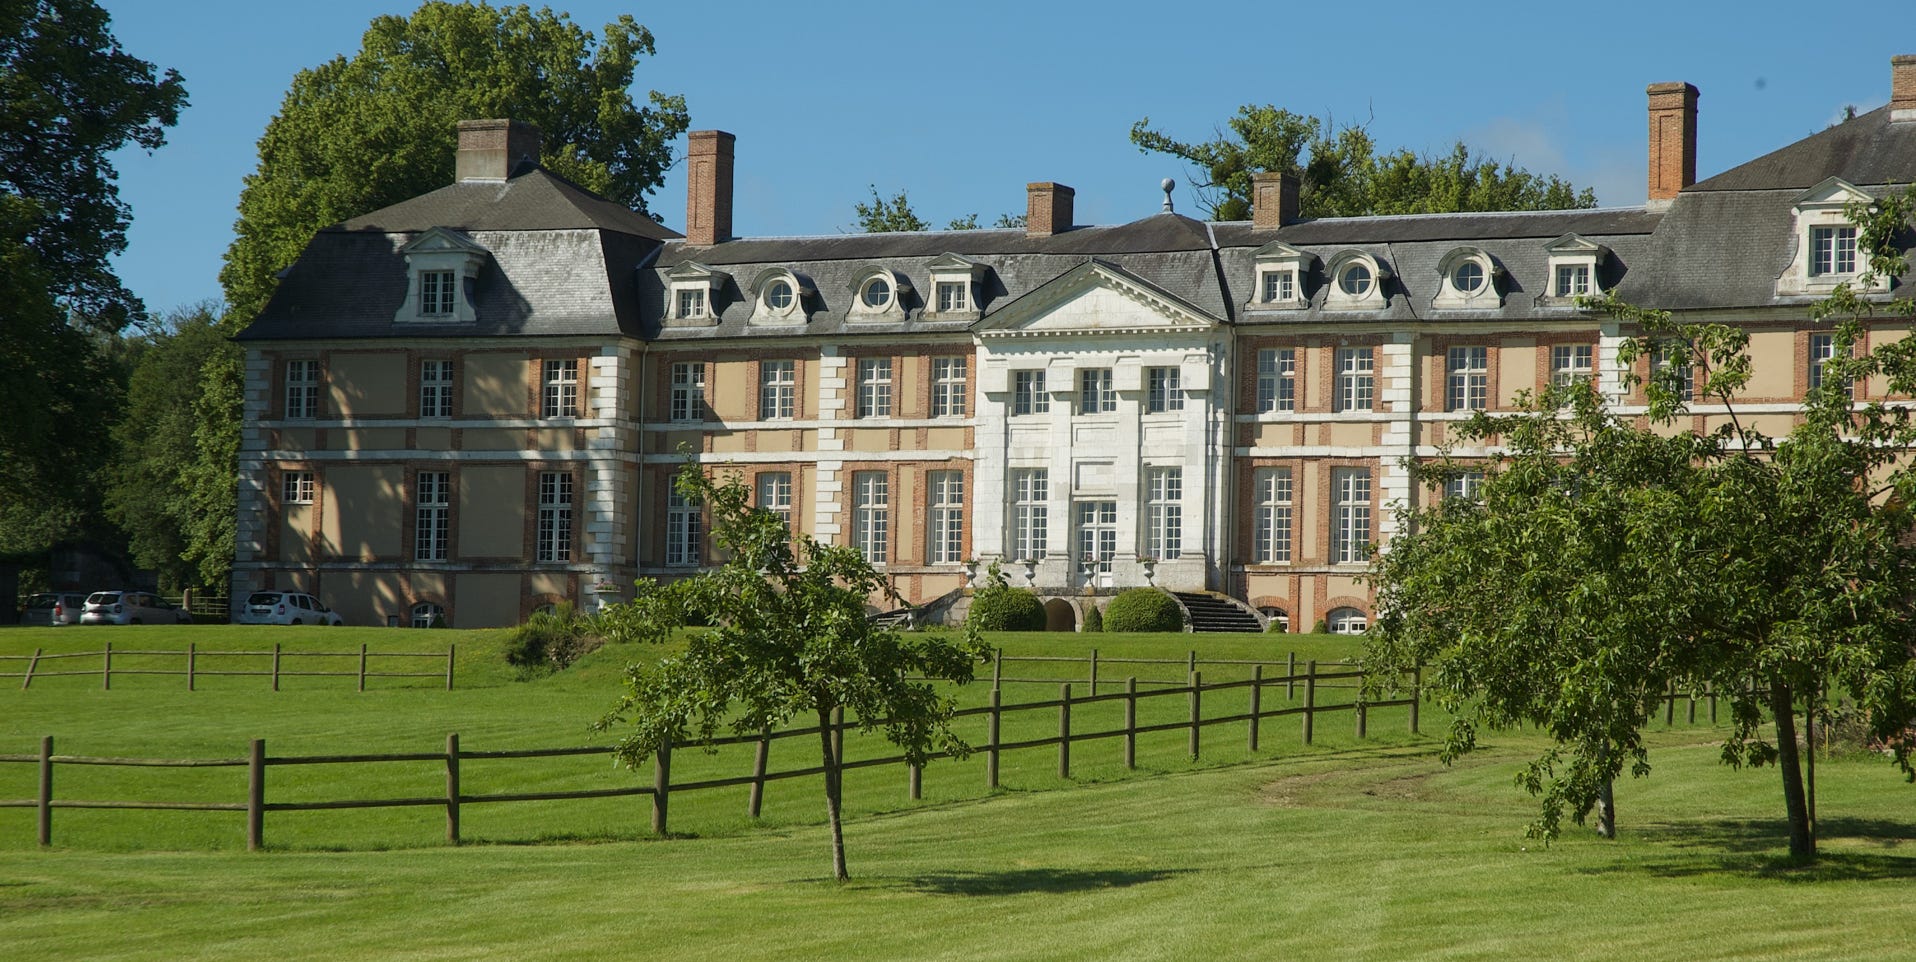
(192, 658)
(454, 797)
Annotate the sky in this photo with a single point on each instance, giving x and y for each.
(963, 104)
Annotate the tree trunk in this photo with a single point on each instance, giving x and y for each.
(1607, 810)
(832, 784)
(1802, 839)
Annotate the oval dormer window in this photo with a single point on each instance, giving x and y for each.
(1355, 280)
(1467, 277)
(779, 296)
(876, 293)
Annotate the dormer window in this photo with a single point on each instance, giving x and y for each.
(1824, 242)
(954, 287)
(1354, 280)
(1281, 270)
(442, 272)
(1573, 280)
(691, 304)
(1832, 251)
(1575, 264)
(1469, 281)
(691, 298)
(878, 294)
(1279, 286)
(952, 297)
(779, 296)
(1357, 283)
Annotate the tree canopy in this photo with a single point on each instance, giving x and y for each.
(357, 134)
(895, 213)
(1342, 175)
(790, 640)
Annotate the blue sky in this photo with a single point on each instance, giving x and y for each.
(963, 104)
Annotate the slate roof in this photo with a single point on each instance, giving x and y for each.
(1865, 150)
(535, 200)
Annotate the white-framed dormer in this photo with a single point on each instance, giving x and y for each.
(878, 294)
(780, 296)
(1824, 247)
(1468, 278)
(1357, 281)
(1279, 275)
(442, 267)
(954, 288)
(691, 295)
(1576, 270)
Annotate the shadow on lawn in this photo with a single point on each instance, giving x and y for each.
(1022, 881)
(1758, 848)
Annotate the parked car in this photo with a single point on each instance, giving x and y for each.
(54, 608)
(287, 608)
(132, 608)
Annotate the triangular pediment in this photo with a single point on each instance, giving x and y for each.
(693, 271)
(952, 263)
(1279, 251)
(443, 240)
(1097, 297)
(1574, 244)
(1832, 192)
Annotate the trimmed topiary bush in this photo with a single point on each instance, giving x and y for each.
(1093, 618)
(1143, 609)
(999, 607)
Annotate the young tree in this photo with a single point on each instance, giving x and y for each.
(883, 216)
(1341, 175)
(790, 639)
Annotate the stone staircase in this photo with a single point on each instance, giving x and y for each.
(1214, 612)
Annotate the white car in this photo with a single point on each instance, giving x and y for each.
(287, 608)
(132, 608)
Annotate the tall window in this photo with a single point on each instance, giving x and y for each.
(1350, 515)
(561, 395)
(948, 387)
(435, 293)
(1030, 494)
(1273, 487)
(1664, 367)
(1832, 250)
(1356, 378)
(432, 515)
(777, 390)
(1276, 379)
(1571, 364)
(1164, 390)
(302, 389)
(1028, 395)
(874, 387)
(1467, 379)
(1164, 512)
(684, 530)
(296, 487)
(555, 516)
(1469, 486)
(871, 514)
(435, 389)
(687, 399)
(1822, 351)
(1095, 395)
(1573, 280)
(775, 494)
(1097, 535)
(945, 542)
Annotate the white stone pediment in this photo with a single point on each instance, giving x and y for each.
(1097, 298)
(1832, 192)
(442, 240)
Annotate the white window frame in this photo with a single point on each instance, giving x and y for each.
(871, 515)
(298, 487)
(1686, 383)
(774, 494)
(1164, 390)
(777, 390)
(1822, 350)
(686, 392)
(1030, 491)
(435, 388)
(684, 531)
(559, 388)
(1280, 272)
(1276, 496)
(1356, 379)
(1466, 485)
(1572, 363)
(1833, 251)
(1467, 378)
(690, 303)
(423, 614)
(1350, 515)
(1344, 294)
(954, 297)
(438, 293)
(554, 524)
(948, 379)
(1028, 394)
(945, 515)
(874, 387)
(432, 515)
(1096, 391)
(302, 390)
(1582, 259)
(1276, 379)
(1163, 513)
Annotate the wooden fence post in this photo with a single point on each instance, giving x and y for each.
(449, 649)
(661, 788)
(256, 796)
(106, 669)
(275, 666)
(192, 658)
(1190, 664)
(31, 665)
(756, 800)
(1416, 695)
(1310, 697)
(1197, 685)
(46, 791)
(1093, 687)
(1064, 731)
(997, 667)
(1131, 722)
(1363, 715)
(362, 666)
(1257, 702)
(1290, 676)
(1692, 707)
(452, 787)
(991, 741)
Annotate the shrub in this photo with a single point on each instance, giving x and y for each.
(552, 639)
(1093, 618)
(1143, 609)
(1320, 627)
(999, 607)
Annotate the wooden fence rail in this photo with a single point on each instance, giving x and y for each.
(193, 671)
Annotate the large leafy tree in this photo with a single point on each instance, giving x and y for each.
(1342, 175)
(790, 640)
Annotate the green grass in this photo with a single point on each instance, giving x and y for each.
(1348, 850)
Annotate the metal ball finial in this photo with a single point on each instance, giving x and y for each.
(1167, 185)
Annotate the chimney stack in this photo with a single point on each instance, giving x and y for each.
(708, 189)
(1273, 199)
(1047, 209)
(1902, 89)
(1672, 141)
(490, 149)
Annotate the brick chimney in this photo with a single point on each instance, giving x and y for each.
(490, 149)
(1047, 209)
(1672, 141)
(1902, 89)
(1273, 199)
(708, 189)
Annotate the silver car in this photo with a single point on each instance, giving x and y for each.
(132, 608)
(54, 608)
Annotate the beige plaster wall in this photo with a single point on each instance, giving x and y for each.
(362, 517)
(492, 512)
(367, 385)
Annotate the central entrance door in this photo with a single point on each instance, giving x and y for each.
(1097, 541)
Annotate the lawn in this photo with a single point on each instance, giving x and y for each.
(1348, 850)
